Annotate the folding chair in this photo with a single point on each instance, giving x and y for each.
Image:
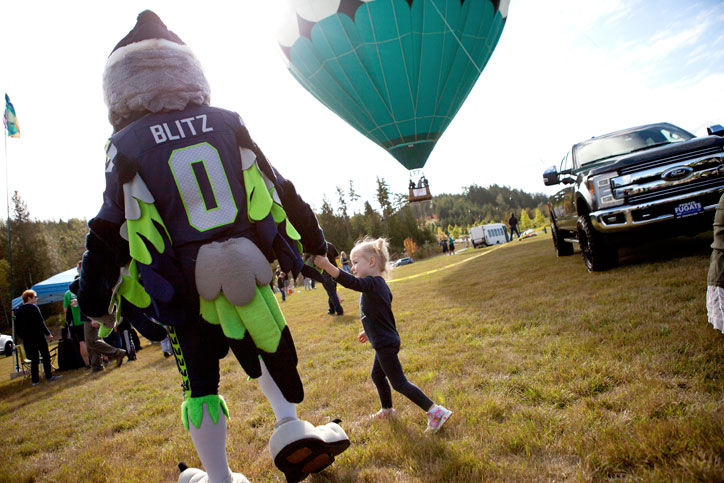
(25, 362)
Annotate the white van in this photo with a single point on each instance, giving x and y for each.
(486, 235)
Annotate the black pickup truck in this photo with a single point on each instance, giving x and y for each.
(652, 180)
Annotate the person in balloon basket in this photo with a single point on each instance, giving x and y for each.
(193, 213)
(370, 266)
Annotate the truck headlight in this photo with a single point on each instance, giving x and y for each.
(600, 186)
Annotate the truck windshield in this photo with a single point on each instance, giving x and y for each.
(613, 145)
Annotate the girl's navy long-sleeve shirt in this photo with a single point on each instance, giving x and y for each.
(375, 308)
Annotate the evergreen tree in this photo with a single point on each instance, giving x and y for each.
(30, 261)
(383, 198)
(353, 196)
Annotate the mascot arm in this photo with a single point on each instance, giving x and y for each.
(106, 252)
(301, 216)
(298, 211)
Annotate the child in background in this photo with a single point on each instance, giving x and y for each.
(370, 260)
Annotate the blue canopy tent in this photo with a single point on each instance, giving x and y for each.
(52, 289)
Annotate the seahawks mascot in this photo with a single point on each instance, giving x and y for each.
(192, 216)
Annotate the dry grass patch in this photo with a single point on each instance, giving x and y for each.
(553, 373)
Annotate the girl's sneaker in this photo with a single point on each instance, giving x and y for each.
(436, 417)
(383, 413)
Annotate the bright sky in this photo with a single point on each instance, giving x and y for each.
(563, 71)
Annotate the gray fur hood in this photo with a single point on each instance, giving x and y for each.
(149, 76)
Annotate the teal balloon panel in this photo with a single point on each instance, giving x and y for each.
(396, 70)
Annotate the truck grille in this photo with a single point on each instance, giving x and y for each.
(666, 192)
(669, 177)
(712, 151)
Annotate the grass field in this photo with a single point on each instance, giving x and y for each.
(553, 373)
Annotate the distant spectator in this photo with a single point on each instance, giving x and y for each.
(281, 282)
(166, 347)
(513, 223)
(330, 284)
(75, 321)
(30, 327)
(444, 245)
(451, 245)
(128, 338)
(344, 260)
(97, 348)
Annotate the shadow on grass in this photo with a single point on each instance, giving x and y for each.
(401, 446)
(19, 393)
(657, 251)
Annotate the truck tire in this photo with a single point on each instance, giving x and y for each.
(598, 254)
(563, 248)
(8, 350)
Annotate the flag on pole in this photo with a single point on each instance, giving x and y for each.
(9, 119)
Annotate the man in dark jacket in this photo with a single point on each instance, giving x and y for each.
(330, 284)
(513, 222)
(30, 326)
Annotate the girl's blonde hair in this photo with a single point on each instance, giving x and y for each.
(379, 247)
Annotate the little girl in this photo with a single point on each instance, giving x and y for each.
(370, 260)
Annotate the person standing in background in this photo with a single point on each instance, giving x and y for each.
(513, 222)
(30, 327)
(330, 284)
(70, 304)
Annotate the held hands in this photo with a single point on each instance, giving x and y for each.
(362, 337)
(322, 262)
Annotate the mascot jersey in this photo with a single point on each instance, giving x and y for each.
(196, 212)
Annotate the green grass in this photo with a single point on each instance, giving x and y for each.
(553, 373)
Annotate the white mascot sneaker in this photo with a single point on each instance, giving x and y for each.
(195, 475)
(298, 448)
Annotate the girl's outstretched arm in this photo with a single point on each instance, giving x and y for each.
(323, 262)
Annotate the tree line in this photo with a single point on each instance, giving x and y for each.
(41, 249)
(418, 227)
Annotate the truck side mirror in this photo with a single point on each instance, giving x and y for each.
(715, 130)
(550, 176)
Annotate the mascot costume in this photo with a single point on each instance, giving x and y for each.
(192, 216)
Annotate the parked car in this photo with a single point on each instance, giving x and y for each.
(527, 234)
(403, 261)
(6, 344)
(655, 180)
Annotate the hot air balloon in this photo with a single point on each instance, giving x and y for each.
(396, 70)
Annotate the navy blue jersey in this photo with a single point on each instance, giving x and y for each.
(375, 308)
(190, 162)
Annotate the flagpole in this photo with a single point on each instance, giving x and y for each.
(10, 252)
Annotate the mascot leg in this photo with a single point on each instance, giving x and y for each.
(282, 408)
(298, 448)
(204, 417)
